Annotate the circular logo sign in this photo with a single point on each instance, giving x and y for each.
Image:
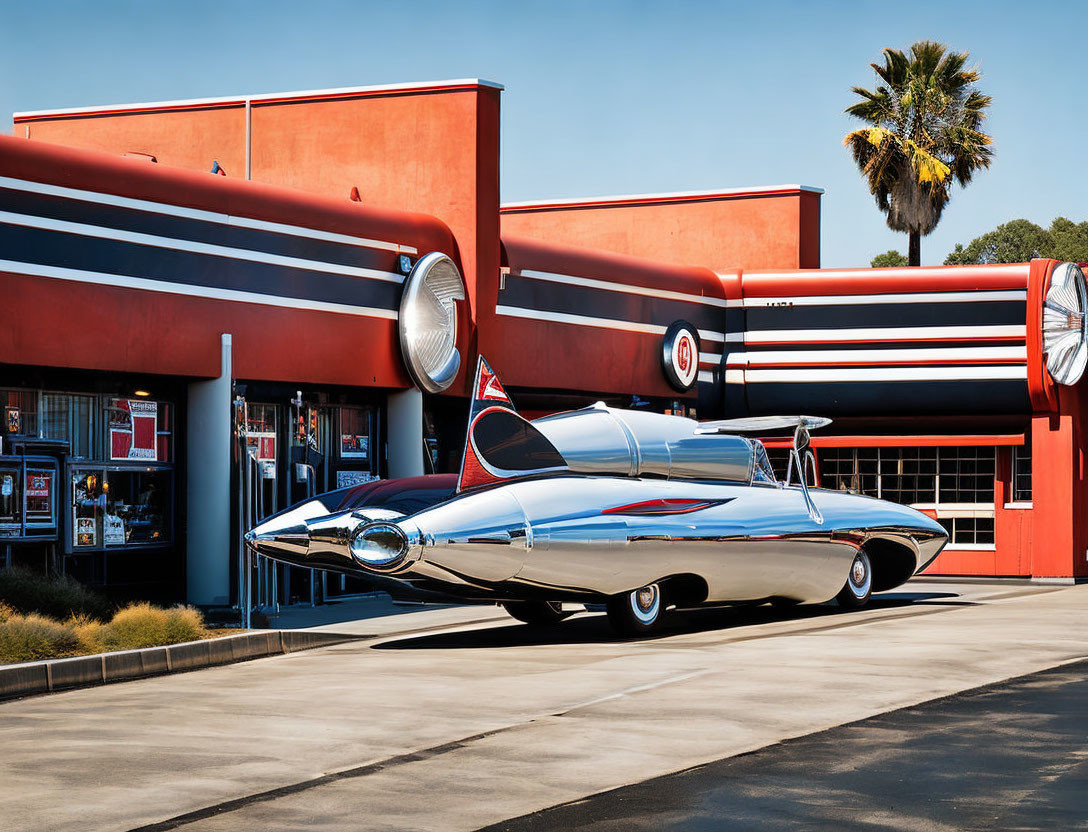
(680, 355)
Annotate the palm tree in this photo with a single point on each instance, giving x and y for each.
(924, 132)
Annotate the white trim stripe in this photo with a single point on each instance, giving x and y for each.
(710, 357)
(868, 300)
(899, 271)
(626, 288)
(269, 96)
(774, 190)
(862, 374)
(579, 320)
(199, 214)
(920, 356)
(706, 377)
(175, 244)
(905, 333)
(603, 323)
(208, 293)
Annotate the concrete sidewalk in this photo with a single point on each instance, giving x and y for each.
(457, 727)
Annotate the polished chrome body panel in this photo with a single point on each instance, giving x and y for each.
(632, 443)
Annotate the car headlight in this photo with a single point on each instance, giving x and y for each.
(379, 545)
(428, 322)
(1064, 332)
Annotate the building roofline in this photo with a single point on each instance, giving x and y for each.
(642, 199)
(240, 100)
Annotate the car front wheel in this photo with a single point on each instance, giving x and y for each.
(859, 584)
(636, 613)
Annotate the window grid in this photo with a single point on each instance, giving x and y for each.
(1021, 472)
(969, 530)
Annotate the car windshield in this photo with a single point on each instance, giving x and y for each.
(763, 472)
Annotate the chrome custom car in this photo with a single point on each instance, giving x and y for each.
(637, 511)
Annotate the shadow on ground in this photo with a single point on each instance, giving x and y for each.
(590, 628)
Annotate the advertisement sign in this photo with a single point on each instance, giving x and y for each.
(38, 484)
(84, 531)
(13, 420)
(354, 446)
(134, 430)
(349, 479)
(115, 531)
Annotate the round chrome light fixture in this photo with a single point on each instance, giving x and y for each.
(379, 546)
(428, 322)
(1065, 336)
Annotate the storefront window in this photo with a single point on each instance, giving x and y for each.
(137, 507)
(11, 497)
(261, 431)
(355, 433)
(39, 496)
(88, 508)
(121, 507)
(71, 418)
(20, 412)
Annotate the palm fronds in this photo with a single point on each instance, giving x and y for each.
(925, 131)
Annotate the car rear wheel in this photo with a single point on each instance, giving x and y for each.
(859, 584)
(636, 613)
(536, 613)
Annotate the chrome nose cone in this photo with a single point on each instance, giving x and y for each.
(285, 536)
(288, 542)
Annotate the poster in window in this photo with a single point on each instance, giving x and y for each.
(133, 430)
(84, 531)
(115, 530)
(349, 479)
(39, 484)
(14, 419)
(354, 446)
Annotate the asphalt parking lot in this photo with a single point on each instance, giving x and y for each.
(428, 722)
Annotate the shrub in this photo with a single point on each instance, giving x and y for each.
(27, 638)
(89, 632)
(60, 597)
(142, 625)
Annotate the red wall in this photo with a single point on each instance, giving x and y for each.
(61, 323)
(432, 149)
(772, 229)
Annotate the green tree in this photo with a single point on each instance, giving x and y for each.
(924, 132)
(888, 259)
(1018, 241)
(1070, 240)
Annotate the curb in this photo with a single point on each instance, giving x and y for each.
(31, 678)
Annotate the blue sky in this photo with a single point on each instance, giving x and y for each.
(612, 97)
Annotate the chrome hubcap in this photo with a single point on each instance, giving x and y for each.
(859, 571)
(860, 576)
(645, 603)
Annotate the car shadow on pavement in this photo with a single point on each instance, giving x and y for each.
(593, 628)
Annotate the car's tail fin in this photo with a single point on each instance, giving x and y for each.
(499, 444)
